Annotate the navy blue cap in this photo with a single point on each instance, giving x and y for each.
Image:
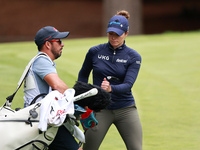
(118, 24)
(48, 33)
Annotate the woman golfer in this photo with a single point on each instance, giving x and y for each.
(115, 68)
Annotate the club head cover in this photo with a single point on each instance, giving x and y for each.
(97, 102)
(88, 120)
(78, 111)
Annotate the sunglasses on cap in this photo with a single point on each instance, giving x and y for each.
(56, 40)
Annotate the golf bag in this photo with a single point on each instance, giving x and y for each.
(35, 126)
(19, 130)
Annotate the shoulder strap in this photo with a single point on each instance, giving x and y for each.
(10, 98)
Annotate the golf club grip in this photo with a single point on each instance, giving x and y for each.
(89, 93)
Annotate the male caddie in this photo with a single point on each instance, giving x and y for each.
(42, 78)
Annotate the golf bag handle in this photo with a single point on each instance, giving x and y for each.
(35, 99)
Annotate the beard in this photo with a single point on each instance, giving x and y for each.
(56, 53)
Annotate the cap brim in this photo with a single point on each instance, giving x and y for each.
(61, 35)
(116, 30)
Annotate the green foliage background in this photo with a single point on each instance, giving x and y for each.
(166, 90)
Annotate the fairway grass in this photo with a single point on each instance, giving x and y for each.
(166, 90)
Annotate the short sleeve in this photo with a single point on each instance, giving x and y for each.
(43, 66)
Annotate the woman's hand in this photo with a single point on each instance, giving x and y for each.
(106, 85)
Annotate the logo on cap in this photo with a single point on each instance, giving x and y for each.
(55, 29)
(116, 22)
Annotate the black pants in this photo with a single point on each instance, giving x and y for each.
(63, 140)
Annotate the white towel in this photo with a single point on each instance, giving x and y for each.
(54, 108)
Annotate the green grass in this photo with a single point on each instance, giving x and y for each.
(166, 91)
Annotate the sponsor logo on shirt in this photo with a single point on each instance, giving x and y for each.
(138, 62)
(121, 60)
(103, 57)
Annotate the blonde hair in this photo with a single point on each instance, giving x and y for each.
(124, 13)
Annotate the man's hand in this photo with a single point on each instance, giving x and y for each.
(80, 148)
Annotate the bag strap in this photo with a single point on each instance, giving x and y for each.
(34, 146)
(10, 98)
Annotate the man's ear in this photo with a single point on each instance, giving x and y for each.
(126, 33)
(47, 44)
